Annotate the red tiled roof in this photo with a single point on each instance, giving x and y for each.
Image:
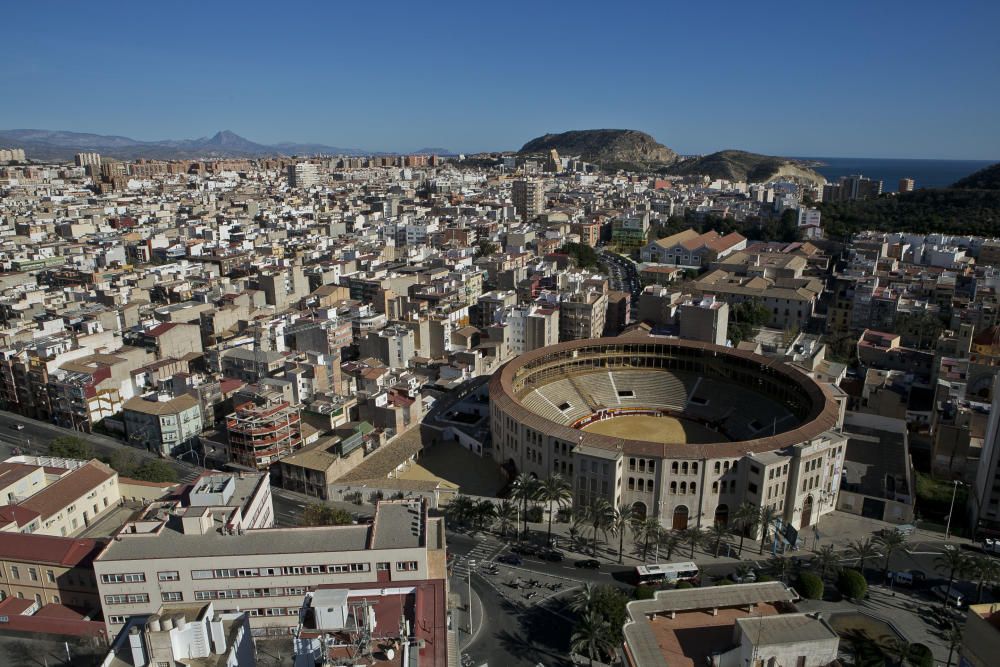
(161, 329)
(64, 551)
(54, 497)
(17, 515)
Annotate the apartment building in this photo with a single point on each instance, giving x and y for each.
(49, 570)
(64, 499)
(705, 319)
(261, 434)
(582, 315)
(177, 555)
(302, 175)
(529, 198)
(168, 427)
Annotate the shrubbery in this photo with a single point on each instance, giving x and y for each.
(810, 586)
(852, 584)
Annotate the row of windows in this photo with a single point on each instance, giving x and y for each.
(233, 573)
(125, 578)
(130, 598)
(237, 593)
(15, 573)
(684, 487)
(642, 465)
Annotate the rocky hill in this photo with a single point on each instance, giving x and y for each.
(608, 148)
(984, 179)
(742, 166)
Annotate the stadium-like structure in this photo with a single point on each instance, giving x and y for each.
(681, 429)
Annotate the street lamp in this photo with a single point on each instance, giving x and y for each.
(951, 509)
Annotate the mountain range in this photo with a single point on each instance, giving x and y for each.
(62, 145)
(637, 151)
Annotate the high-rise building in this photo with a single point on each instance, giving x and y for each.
(11, 155)
(852, 188)
(554, 163)
(85, 159)
(984, 504)
(529, 198)
(906, 184)
(302, 175)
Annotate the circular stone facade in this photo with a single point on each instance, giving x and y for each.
(765, 411)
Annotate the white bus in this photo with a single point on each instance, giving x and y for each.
(666, 573)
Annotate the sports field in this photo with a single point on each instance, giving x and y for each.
(655, 429)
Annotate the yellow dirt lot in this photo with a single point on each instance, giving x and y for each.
(655, 429)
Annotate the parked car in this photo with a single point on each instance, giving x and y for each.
(744, 577)
(991, 545)
(901, 578)
(918, 576)
(588, 563)
(525, 549)
(552, 556)
(953, 596)
(510, 559)
(17, 427)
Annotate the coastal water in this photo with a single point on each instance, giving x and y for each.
(926, 173)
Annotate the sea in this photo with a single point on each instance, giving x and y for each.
(925, 173)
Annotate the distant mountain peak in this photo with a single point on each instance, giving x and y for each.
(605, 147)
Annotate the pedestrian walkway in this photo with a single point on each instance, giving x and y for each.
(487, 549)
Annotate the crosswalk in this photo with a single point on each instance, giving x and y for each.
(483, 552)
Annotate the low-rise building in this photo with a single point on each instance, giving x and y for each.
(167, 427)
(50, 570)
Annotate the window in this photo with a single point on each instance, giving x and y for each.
(169, 575)
(51, 576)
(684, 468)
(14, 572)
(694, 468)
(673, 467)
(715, 487)
(131, 598)
(381, 567)
(673, 487)
(127, 578)
(642, 465)
(718, 467)
(752, 488)
(117, 620)
(171, 596)
(347, 567)
(631, 464)
(631, 483)
(33, 574)
(694, 487)
(406, 566)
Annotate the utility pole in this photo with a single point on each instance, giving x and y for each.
(951, 509)
(472, 564)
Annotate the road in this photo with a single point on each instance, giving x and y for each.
(623, 273)
(35, 436)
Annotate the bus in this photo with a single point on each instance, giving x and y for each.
(666, 573)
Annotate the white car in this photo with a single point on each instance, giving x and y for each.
(17, 427)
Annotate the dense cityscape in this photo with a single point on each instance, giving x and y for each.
(522, 335)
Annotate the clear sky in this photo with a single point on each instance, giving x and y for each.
(877, 78)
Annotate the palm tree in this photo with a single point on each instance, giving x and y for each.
(600, 516)
(890, 542)
(648, 531)
(899, 647)
(954, 637)
(583, 601)
(768, 517)
(745, 518)
(624, 517)
(862, 550)
(592, 637)
(506, 515)
(955, 562)
(985, 570)
(715, 534)
(460, 509)
(554, 490)
(693, 536)
(483, 513)
(826, 561)
(780, 567)
(669, 541)
(523, 488)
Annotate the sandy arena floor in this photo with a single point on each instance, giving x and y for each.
(655, 429)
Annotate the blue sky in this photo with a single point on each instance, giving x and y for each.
(865, 79)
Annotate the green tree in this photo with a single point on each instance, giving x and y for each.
(155, 470)
(746, 318)
(554, 491)
(851, 584)
(745, 519)
(600, 517)
(506, 515)
(955, 562)
(717, 534)
(648, 531)
(591, 637)
(318, 514)
(862, 550)
(524, 488)
(583, 601)
(826, 561)
(780, 567)
(768, 517)
(485, 248)
(483, 513)
(693, 537)
(889, 543)
(460, 510)
(810, 585)
(585, 256)
(625, 517)
(71, 447)
(125, 461)
(669, 542)
(985, 570)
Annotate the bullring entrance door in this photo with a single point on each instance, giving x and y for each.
(680, 518)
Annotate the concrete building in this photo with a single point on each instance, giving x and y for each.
(50, 570)
(167, 427)
(582, 315)
(241, 501)
(177, 555)
(260, 434)
(906, 185)
(184, 634)
(980, 636)
(394, 346)
(705, 319)
(302, 175)
(87, 159)
(984, 501)
(691, 249)
(63, 500)
(529, 198)
(532, 327)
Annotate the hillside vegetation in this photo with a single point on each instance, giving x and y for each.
(743, 166)
(607, 148)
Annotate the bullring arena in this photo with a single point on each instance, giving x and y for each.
(675, 425)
